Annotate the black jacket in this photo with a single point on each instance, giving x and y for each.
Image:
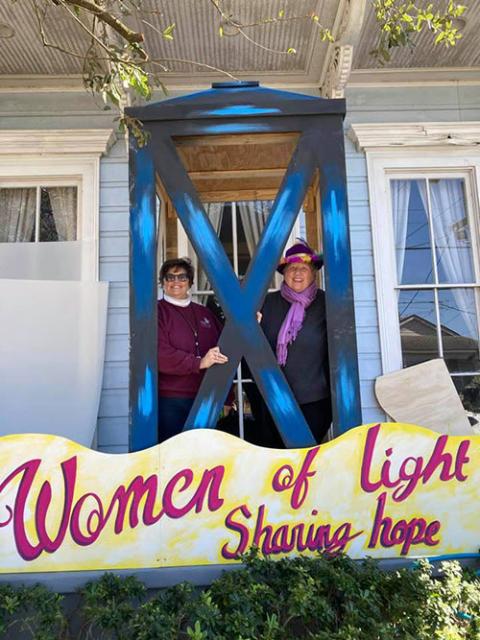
(306, 368)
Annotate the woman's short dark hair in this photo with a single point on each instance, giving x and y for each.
(184, 263)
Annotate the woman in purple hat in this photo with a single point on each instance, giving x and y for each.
(294, 322)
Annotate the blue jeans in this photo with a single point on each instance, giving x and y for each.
(172, 414)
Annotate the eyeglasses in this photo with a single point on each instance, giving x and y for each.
(181, 277)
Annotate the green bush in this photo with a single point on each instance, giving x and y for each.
(33, 611)
(326, 598)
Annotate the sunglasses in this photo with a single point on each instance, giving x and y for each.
(181, 277)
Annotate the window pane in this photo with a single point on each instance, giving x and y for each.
(418, 330)
(468, 388)
(459, 326)
(17, 215)
(58, 214)
(411, 229)
(451, 231)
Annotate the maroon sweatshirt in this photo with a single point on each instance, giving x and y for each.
(179, 375)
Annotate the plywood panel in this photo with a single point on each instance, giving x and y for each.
(63, 397)
(248, 183)
(236, 162)
(425, 395)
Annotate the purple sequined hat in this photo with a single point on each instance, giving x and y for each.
(300, 252)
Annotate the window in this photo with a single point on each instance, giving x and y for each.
(38, 214)
(436, 285)
(426, 232)
(49, 200)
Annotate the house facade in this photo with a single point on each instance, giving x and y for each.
(412, 134)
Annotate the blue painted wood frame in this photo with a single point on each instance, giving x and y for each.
(241, 336)
(143, 419)
(328, 145)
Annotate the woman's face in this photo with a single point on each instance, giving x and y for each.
(175, 283)
(299, 276)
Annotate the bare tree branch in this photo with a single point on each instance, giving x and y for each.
(107, 17)
(194, 62)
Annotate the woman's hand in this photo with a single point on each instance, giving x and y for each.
(227, 408)
(213, 356)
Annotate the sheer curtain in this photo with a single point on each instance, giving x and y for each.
(17, 214)
(453, 247)
(254, 217)
(63, 201)
(400, 200)
(214, 212)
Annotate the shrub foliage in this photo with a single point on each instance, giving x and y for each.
(326, 598)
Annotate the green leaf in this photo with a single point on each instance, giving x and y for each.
(167, 33)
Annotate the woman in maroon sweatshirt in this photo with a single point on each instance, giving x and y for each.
(187, 345)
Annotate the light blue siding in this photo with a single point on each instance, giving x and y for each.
(114, 211)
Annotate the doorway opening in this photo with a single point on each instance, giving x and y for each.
(237, 178)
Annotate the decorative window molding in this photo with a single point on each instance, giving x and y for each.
(449, 150)
(367, 137)
(414, 77)
(61, 157)
(56, 141)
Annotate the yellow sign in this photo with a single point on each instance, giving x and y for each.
(203, 497)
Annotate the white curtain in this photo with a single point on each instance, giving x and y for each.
(400, 201)
(453, 246)
(214, 212)
(254, 217)
(17, 214)
(63, 201)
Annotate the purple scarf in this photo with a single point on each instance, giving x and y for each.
(294, 319)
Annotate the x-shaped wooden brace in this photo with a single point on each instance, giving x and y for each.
(242, 336)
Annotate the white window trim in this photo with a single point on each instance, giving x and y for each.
(401, 150)
(58, 158)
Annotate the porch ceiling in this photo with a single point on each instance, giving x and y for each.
(196, 39)
(196, 42)
(424, 54)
